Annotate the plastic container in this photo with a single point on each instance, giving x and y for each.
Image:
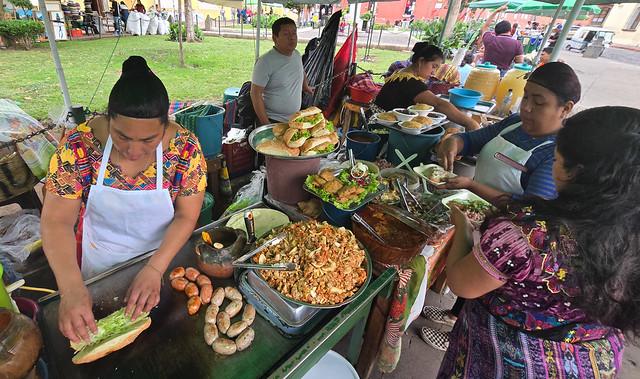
(206, 212)
(361, 96)
(484, 78)
(402, 243)
(230, 94)
(364, 144)
(409, 144)
(285, 178)
(464, 97)
(5, 301)
(337, 217)
(206, 122)
(334, 366)
(514, 80)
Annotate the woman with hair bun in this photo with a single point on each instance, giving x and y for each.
(134, 182)
(406, 87)
(555, 285)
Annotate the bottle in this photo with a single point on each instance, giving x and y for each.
(225, 183)
(505, 107)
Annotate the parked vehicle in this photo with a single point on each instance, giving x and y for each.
(587, 35)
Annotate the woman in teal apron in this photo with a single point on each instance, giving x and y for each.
(515, 158)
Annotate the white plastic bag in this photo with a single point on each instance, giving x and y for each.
(19, 233)
(249, 194)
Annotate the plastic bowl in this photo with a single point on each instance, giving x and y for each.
(414, 131)
(335, 216)
(421, 112)
(402, 116)
(464, 98)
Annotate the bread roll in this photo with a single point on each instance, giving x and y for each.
(277, 147)
(295, 138)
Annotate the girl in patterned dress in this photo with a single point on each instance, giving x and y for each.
(555, 285)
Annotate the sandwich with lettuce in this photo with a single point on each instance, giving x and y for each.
(114, 332)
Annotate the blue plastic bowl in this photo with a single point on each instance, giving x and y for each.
(337, 217)
(464, 98)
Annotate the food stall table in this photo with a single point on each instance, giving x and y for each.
(173, 346)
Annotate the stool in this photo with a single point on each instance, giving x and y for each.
(352, 116)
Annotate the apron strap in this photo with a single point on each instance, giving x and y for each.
(159, 167)
(517, 125)
(105, 160)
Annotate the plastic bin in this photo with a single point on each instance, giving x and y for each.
(206, 122)
(409, 144)
(206, 212)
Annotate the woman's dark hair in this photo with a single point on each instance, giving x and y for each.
(139, 93)
(560, 79)
(468, 58)
(601, 148)
(503, 27)
(279, 23)
(426, 51)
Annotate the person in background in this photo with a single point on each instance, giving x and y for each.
(118, 186)
(395, 66)
(239, 15)
(223, 14)
(515, 31)
(499, 48)
(526, 142)
(555, 36)
(124, 13)
(554, 285)
(115, 10)
(408, 86)
(278, 78)
(140, 7)
(545, 56)
(465, 67)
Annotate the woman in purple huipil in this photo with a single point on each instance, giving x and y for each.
(555, 284)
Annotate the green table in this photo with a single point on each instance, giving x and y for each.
(174, 347)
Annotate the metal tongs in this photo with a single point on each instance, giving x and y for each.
(357, 218)
(404, 192)
(287, 266)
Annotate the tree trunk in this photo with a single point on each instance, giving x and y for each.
(453, 17)
(180, 33)
(188, 15)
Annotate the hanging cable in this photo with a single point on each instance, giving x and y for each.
(106, 67)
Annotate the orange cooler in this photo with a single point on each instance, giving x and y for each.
(484, 78)
(514, 80)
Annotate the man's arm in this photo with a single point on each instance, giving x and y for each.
(258, 104)
(492, 16)
(306, 88)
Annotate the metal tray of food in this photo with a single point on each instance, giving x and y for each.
(265, 132)
(368, 267)
(291, 319)
(362, 203)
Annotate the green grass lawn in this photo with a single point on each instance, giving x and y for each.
(29, 77)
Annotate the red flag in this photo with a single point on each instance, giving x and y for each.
(341, 66)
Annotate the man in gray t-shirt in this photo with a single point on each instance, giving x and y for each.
(278, 76)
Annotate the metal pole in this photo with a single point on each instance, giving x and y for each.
(219, 30)
(380, 36)
(180, 33)
(258, 29)
(548, 33)
(410, 34)
(565, 29)
(48, 27)
(354, 40)
(446, 22)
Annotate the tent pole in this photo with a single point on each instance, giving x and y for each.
(48, 27)
(565, 29)
(258, 29)
(446, 22)
(354, 32)
(548, 33)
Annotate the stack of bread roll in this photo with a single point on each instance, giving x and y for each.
(307, 133)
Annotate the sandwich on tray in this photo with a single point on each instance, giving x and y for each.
(306, 118)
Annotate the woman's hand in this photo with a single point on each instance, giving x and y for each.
(144, 292)
(457, 182)
(447, 151)
(75, 314)
(458, 218)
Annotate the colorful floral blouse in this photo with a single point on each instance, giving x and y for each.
(540, 286)
(74, 167)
